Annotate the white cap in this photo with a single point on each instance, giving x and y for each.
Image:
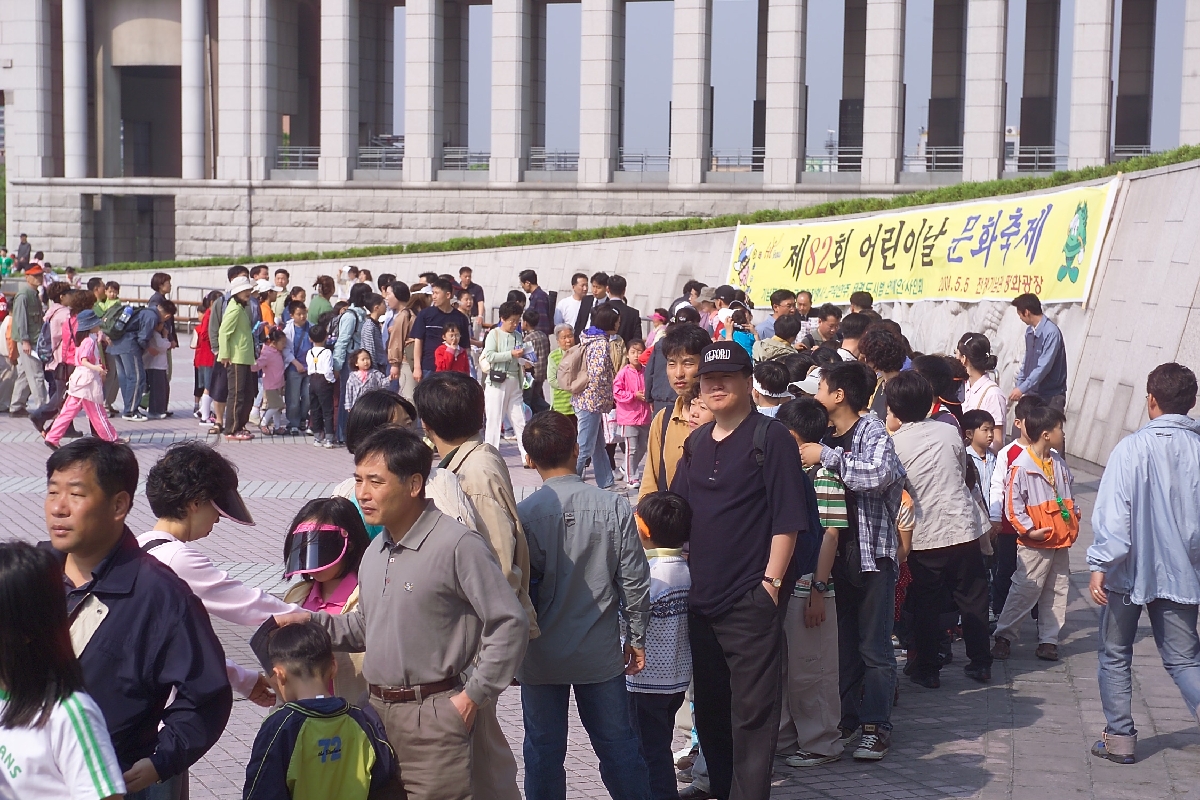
(263, 286)
(809, 385)
(240, 284)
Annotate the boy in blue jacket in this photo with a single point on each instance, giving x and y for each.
(317, 745)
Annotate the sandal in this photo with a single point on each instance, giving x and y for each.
(267, 430)
(240, 436)
(216, 429)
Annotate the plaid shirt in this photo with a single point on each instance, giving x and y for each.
(541, 348)
(872, 471)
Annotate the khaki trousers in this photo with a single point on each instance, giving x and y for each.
(812, 704)
(433, 749)
(493, 767)
(1041, 580)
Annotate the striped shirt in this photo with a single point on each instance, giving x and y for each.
(831, 499)
(70, 756)
(668, 650)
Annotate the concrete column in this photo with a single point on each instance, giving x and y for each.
(601, 84)
(423, 52)
(75, 98)
(946, 79)
(29, 137)
(883, 92)
(1091, 84)
(691, 93)
(986, 90)
(758, 124)
(512, 108)
(191, 75)
(1135, 82)
(537, 76)
(1189, 111)
(456, 48)
(339, 89)
(787, 93)
(1039, 96)
(854, 71)
(246, 79)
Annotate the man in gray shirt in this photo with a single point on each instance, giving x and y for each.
(586, 563)
(432, 601)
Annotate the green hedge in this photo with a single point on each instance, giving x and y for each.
(857, 205)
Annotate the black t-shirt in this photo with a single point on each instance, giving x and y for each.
(428, 328)
(848, 536)
(737, 507)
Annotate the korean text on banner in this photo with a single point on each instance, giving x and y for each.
(1048, 244)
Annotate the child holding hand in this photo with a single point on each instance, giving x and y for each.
(633, 410)
(85, 389)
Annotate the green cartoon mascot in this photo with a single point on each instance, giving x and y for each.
(1075, 245)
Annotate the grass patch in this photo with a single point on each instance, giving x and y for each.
(858, 205)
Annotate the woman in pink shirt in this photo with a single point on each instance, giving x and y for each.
(324, 546)
(633, 410)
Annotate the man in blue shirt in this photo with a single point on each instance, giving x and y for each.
(783, 302)
(539, 301)
(1044, 370)
(428, 326)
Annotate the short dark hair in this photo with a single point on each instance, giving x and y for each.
(1042, 419)
(187, 472)
(359, 293)
(937, 371)
(686, 314)
(600, 279)
(829, 310)
(442, 284)
(317, 334)
(855, 380)
(605, 318)
(976, 418)
(158, 279)
(450, 404)
(909, 396)
(303, 649)
(854, 326)
(883, 350)
(527, 276)
(283, 272)
(1026, 404)
(236, 270)
(94, 283)
(402, 450)
(114, 463)
(780, 296)
(429, 277)
(385, 280)
(339, 512)
(549, 440)
(798, 364)
(168, 307)
(616, 285)
(1028, 303)
(668, 518)
(531, 318)
(400, 291)
(686, 339)
(372, 300)
(116, 287)
(1173, 387)
(510, 309)
(518, 297)
(575, 278)
(461, 270)
(806, 418)
(452, 325)
(861, 299)
(788, 327)
(772, 376)
(373, 410)
(693, 286)
(38, 666)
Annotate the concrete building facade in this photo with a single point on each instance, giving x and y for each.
(155, 129)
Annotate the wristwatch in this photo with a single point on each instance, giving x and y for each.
(820, 586)
(776, 582)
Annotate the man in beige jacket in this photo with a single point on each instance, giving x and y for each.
(450, 406)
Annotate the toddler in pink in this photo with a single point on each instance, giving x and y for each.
(633, 410)
(85, 389)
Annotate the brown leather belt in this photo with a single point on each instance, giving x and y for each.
(412, 694)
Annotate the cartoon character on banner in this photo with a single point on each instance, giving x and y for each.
(1075, 245)
(745, 267)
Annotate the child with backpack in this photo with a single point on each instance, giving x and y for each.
(85, 388)
(155, 360)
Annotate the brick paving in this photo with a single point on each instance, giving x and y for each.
(1025, 735)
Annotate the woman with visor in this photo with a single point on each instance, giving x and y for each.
(381, 407)
(190, 488)
(324, 546)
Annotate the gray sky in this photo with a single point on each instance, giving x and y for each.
(648, 72)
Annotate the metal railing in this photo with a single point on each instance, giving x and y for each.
(297, 157)
(642, 162)
(381, 157)
(1127, 151)
(739, 160)
(935, 159)
(844, 159)
(462, 158)
(1031, 158)
(543, 160)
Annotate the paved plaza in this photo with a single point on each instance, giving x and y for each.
(1025, 735)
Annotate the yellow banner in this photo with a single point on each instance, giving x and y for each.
(995, 249)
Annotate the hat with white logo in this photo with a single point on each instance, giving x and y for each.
(725, 356)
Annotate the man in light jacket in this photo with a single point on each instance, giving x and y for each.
(1146, 553)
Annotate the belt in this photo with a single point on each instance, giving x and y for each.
(411, 694)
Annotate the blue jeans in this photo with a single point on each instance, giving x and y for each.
(170, 789)
(131, 375)
(866, 661)
(296, 397)
(1174, 627)
(591, 444)
(342, 413)
(604, 712)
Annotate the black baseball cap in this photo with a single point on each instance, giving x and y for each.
(725, 292)
(724, 356)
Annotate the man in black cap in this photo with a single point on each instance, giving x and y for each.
(740, 473)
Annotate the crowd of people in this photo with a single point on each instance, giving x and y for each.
(815, 498)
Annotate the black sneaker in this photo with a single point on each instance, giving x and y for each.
(848, 735)
(978, 672)
(874, 745)
(929, 680)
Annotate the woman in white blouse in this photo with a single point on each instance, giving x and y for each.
(975, 353)
(190, 489)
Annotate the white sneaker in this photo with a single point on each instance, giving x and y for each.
(319, 442)
(618, 474)
(328, 445)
